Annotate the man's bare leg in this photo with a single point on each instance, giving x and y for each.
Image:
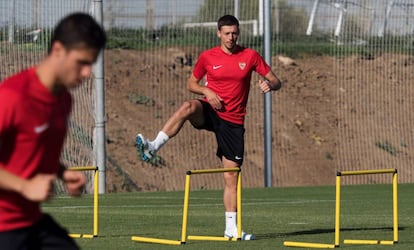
(230, 201)
(190, 110)
(230, 187)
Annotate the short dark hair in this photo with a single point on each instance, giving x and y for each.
(227, 20)
(79, 30)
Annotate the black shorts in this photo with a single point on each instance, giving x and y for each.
(44, 235)
(229, 136)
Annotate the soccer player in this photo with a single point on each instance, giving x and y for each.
(228, 70)
(34, 109)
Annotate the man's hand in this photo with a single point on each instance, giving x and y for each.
(264, 86)
(267, 86)
(215, 101)
(75, 181)
(39, 188)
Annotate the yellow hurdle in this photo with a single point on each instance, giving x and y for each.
(362, 242)
(338, 212)
(239, 207)
(323, 245)
(212, 171)
(307, 244)
(75, 235)
(394, 205)
(373, 171)
(369, 242)
(83, 168)
(155, 240)
(210, 238)
(85, 236)
(185, 208)
(387, 242)
(337, 209)
(184, 236)
(95, 201)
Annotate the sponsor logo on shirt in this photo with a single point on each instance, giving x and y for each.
(217, 66)
(41, 128)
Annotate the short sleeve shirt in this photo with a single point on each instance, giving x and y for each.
(229, 76)
(33, 124)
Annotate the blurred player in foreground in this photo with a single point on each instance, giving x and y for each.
(34, 110)
(228, 70)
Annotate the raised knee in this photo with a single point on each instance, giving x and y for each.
(187, 108)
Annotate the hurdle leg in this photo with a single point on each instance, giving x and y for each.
(337, 209)
(239, 207)
(185, 209)
(95, 202)
(395, 205)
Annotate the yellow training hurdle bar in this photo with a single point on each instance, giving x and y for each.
(95, 202)
(185, 212)
(338, 209)
(307, 244)
(394, 206)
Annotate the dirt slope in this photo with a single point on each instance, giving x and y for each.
(319, 120)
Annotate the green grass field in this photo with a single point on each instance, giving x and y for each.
(274, 215)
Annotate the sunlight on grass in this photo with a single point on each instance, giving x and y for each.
(275, 215)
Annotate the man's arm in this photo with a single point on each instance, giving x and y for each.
(74, 180)
(38, 188)
(271, 82)
(193, 85)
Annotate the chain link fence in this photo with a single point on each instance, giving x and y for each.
(345, 104)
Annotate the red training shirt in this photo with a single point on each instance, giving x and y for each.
(32, 131)
(229, 77)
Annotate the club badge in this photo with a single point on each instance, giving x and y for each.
(242, 65)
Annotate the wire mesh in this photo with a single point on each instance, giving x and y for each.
(357, 116)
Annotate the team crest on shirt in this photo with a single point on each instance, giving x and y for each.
(242, 65)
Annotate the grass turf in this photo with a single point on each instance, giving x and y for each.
(274, 215)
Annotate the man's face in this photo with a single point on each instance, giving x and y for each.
(228, 36)
(75, 65)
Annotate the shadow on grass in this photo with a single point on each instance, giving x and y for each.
(323, 231)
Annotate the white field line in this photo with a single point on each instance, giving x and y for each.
(250, 203)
